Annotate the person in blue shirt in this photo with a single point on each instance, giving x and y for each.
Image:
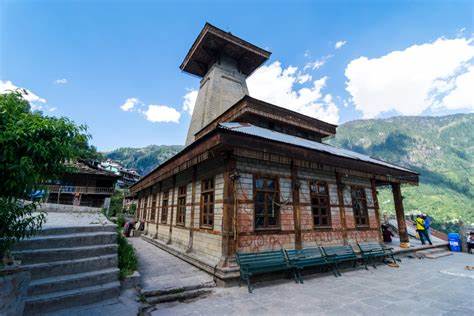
(427, 224)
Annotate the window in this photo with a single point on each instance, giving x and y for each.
(181, 214)
(320, 204)
(164, 207)
(267, 199)
(153, 208)
(207, 203)
(359, 205)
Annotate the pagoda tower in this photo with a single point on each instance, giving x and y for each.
(224, 62)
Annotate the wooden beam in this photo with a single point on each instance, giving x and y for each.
(295, 188)
(342, 210)
(376, 207)
(228, 248)
(172, 210)
(402, 226)
(193, 202)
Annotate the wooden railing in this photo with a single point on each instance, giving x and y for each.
(79, 189)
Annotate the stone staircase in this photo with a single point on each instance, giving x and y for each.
(70, 266)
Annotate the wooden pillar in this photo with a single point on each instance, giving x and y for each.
(376, 207)
(295, 188)
(159, 196)
(172, 210)
(193, 199)
(228, 248)
(342, 210)
(402, 226)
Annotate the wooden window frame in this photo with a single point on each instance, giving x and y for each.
(266, 191)
(207, 208)
(365, 210)
(317, 207)
(164, 207)
(181, 209)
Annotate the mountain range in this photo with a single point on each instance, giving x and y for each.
(440, 148)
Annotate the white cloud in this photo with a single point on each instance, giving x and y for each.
(302, 78)
(276, 85)
(189, 101)
(161, 113)
(431, 76)
(462, 95)
(61, 81)
(130, 104)
(36, 103)
(339, 44)
(8, 86)
(315, 65)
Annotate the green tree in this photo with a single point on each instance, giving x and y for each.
(33, 149)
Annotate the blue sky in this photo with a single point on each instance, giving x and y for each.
(84, 59)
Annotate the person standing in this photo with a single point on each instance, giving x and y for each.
(427, 220)
(420, 228)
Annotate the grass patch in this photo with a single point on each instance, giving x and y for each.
(127, 259)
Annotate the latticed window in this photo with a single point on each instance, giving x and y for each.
(153, 208)
(267, 203)
(164, 207)
(359, 205)
(320, 204)
(181, 213)
(207, 203)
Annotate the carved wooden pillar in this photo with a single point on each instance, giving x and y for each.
(342, 209)
(228, 245)
(295, 188)
(376, 207)
(402, 226)
(172, 209)
(193, 200)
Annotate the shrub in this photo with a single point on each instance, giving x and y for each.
(128, 262)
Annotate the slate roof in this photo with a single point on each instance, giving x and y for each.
(253, 130)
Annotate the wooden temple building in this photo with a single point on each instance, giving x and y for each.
(255, 176)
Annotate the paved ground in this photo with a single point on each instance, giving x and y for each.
(58, 219)
(419, 287)
(162, 271)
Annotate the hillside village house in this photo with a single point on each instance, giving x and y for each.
(87, 185)
(255, 176)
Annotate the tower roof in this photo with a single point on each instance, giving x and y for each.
(212, 42)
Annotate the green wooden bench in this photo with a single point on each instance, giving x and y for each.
(307, 257)
(370, 252)
(262, 262)
(339, 254)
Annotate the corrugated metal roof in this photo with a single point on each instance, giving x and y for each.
(298, 141)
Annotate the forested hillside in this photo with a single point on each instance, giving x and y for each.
(143, 159)
(441, 149)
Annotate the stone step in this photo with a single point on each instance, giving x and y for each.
(31, 256)
(65, 267)
(173, 290)
(179, 296)
(67, 241)
(72, 281)
(50, 302)
(438, 255)
(77, 229)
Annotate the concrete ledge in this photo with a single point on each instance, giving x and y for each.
(405, 251)
(224, 274)
(130, 281)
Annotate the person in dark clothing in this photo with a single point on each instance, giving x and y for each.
(470, 242)
(386, 233)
